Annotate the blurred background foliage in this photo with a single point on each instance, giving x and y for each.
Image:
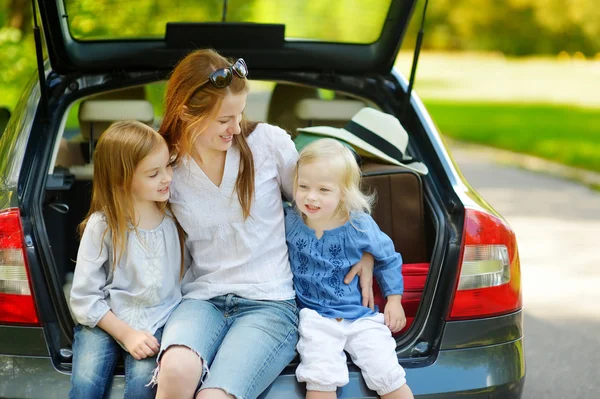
(518, 74)
(17, 49)
(515, 27)
(512, 27)
(357, 21)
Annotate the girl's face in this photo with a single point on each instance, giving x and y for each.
(219, 132)
(319, 192)
(152, 176)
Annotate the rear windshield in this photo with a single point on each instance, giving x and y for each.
(344, 21)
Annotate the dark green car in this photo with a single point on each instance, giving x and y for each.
(311, 63)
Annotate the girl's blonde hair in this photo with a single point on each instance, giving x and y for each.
(119, 151)
(191, 100)
(341, 159)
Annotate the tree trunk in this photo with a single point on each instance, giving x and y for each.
(20, 15)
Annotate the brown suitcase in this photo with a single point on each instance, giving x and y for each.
(400, 214)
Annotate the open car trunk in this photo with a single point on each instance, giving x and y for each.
(420, 214)
(405, 210)
(401, 209)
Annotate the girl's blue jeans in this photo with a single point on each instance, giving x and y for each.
(95, 357)
(244, 344)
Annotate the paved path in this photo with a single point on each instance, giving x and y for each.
(557, 223)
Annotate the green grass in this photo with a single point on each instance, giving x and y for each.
(561, 133)
(494, 78)
(546, 107)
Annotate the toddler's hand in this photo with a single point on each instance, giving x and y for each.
(395, 319)
(140, 344)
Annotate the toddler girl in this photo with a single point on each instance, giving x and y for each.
(327, 233)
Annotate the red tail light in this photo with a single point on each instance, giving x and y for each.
(17, 305)
(489, 280)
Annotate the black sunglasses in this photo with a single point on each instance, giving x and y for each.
(221, 78)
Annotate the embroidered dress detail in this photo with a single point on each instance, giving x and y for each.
(150, 252)
(320, 265)
(142, 289)
(302, 258)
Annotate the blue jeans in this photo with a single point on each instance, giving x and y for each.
(95, 356)
(244, 344)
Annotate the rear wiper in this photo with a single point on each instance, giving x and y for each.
(413, 70)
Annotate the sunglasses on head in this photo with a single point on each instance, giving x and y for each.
(221, 78)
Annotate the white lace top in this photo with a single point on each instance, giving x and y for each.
(141, 290)
(249, 257)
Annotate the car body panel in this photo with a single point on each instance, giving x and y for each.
(23, 341)
(484, 372)
(473, 333)
(4, 118)
(14, 141)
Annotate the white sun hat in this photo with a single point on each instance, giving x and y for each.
(374, 134)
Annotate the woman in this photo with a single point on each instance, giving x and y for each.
(236, 328)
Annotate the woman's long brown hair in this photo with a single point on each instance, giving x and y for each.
(118, 152)
(187, 106)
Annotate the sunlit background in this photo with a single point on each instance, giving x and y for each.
(523, 75)
(519, 75)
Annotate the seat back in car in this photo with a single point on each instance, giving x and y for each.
(294, 106)
(95, 116)
(334, 113)
(282, 103)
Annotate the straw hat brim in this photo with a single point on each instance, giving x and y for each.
(362, 146)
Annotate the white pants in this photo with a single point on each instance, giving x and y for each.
(368, 341)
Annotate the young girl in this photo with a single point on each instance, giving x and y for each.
(127, 277)
(326, 234)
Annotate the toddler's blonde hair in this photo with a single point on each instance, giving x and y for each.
(343, 161)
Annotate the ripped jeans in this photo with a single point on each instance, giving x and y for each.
(95, 357)
(244, 344)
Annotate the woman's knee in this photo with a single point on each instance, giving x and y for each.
(180, 365)
(213, 393)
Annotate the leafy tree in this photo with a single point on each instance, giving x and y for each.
(17, 62)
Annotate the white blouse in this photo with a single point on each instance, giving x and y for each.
(142, 289)
(231, 255)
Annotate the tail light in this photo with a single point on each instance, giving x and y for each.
(17, 305)
(489, 279)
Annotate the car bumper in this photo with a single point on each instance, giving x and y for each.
(495, 371)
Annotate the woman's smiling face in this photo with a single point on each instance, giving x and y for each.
(219, 132)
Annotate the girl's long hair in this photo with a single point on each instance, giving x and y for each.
(118, 152)
(340, 159)
(188, 106)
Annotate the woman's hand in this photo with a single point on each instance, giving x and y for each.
(364, 270)
(395, 319)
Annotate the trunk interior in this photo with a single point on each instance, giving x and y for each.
(401, 210)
